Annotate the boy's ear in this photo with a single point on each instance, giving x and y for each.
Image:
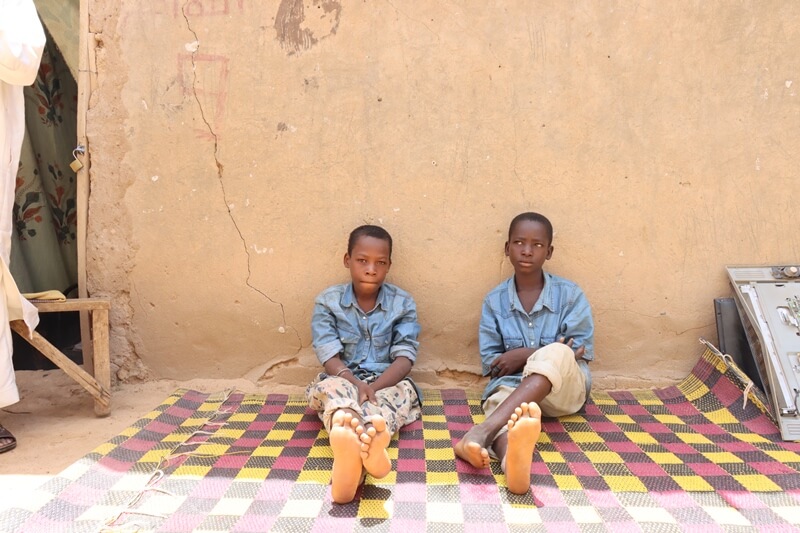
(346, 260)
(549, 252)
(506, 248)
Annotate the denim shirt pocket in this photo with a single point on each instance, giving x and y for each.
(349, 340)
(382, 341)
(544, 341)
(512, 343)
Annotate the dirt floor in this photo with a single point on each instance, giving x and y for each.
(55, 424)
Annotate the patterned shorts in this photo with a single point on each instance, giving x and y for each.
(398, 405)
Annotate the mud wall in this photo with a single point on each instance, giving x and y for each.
(235, 143)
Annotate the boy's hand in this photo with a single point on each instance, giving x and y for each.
(510, 362)
(365, 393)
(579, 352)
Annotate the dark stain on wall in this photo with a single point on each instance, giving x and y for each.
(300, 24)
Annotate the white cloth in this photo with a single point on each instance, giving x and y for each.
(22, 42)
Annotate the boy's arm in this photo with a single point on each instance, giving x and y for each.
(578, 325)
(324, 334)
(393, 375)
(490, 340)
(405, 332)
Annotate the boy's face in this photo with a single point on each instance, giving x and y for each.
(528, 247)
(369, 263)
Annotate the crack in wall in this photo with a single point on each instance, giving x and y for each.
(220, 178)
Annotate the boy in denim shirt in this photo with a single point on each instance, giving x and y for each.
(365, 335)
(536, 336)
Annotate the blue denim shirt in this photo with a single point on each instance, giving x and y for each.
(562, 310)
(366, 340)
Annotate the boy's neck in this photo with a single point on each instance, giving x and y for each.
(532, 281)
(367, 300)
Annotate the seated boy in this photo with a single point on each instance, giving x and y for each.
(365, 335)
(535, 338)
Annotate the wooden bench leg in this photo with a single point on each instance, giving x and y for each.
(100, 359)
(100, 392)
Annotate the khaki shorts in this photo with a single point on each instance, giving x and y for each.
(557, 363)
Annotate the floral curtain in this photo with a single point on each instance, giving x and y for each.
(44, 248)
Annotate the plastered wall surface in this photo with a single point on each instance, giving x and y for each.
(234, 144)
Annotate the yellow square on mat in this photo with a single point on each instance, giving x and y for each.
(604, 457)
(194, 422)
(269, 451)
(721, 416)
(621, 419)
(290, 417)
(435, 434)
(322, 477)
(639, 437)
(105, 448)
(693, 484)
(434, 419)
(552, 457)
(378, 509)
(670, 419)
(649, 399)
(602, 398)
(696, 393)
(693, 438)
(582, 437)
(211, 448)
(757, 483)
(567, 482)
(130, 431)
(750, 437)
(229, 433)
(253, 473)
(154, 456)
(279, 434)
(439, 454)
(441, 478)
(722, 457)
(784, 456)
(320, 451)
(624, 484)
(664, 458)
(192, 470)
(242, 417)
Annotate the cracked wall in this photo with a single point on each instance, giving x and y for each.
(235, 143)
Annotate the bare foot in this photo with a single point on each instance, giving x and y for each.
(375, 440)
(346, 445)
(524, 427)
(470, 449)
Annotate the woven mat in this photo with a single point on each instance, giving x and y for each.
(685, 458)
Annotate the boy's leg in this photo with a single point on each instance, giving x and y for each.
(473, 447)
(336, 401)
(552, 378)
(396, 407)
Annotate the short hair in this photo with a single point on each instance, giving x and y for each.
(533, 217)
(368, 230)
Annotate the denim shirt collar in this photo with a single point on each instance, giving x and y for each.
(349, 299)
(545, 299)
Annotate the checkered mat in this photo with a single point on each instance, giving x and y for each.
(692, 457)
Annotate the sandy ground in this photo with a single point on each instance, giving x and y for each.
(55, 424)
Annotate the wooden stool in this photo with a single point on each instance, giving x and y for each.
(97, 381)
